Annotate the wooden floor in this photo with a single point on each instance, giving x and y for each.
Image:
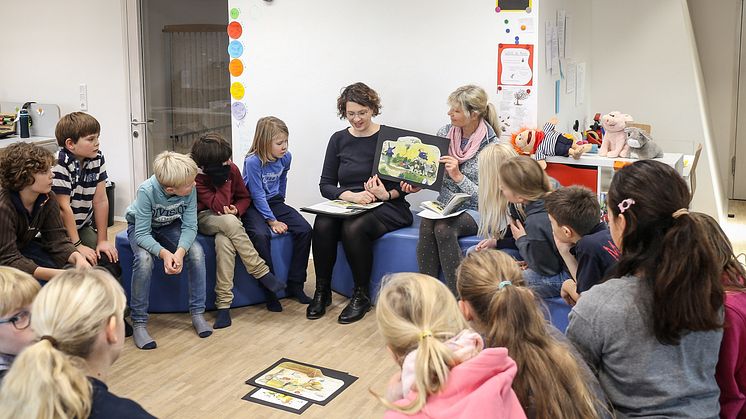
(189, 377)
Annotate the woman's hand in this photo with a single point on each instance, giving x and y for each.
(363, 197)
(486, 244)
(407, 188)
(452, 168)
(376, 187)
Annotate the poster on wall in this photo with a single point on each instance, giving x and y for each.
(513, 5)
(515, 64)
(517, 106)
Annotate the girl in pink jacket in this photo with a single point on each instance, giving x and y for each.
(445, 373)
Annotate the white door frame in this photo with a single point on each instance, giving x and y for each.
(737, 162)
(135, 71)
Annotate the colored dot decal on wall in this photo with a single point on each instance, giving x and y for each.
(237, 90)
(235, 67)
(507, 30)
(497, 10)
(507, 21)
(528, 10)
(238, 110)
(234, 30)
(523, 27)
(235, 12)
(235, 49)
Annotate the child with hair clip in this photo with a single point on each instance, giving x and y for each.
(730, 372)
(17, 291)
(522, 181)
(444, 371)
(265, 173)
(652, 331)
(552, 381)
(79, 322)
(494, 217)
(222, 199)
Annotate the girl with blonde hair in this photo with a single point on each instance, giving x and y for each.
(524, 182)
(552, 381)
(444, 371)
(79, 319)
(473, 127)
(494, 218)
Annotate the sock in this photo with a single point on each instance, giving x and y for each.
(273, 304)
(142, 338)
(271, 282)
(223, 319)
(295, 290)
(127, 329)
(201, 326)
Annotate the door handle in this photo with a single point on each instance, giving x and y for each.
(136, 122)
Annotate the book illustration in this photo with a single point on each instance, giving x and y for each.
(340, 208)
(456, 201)
(300, 380)
(409, 159)
(277, 400)
(410, 156)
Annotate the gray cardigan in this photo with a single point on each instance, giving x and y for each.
(470, 169)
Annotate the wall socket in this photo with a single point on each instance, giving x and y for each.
(83, 97)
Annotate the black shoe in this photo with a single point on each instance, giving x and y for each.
(356, 309)
(295, 290)
(321, 299)
(127, 329)
(273, 303)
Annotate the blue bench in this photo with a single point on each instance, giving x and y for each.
(170, 293)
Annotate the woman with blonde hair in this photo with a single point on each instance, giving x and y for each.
(473, 127)
(79, 319)
(552, 381)
(444, 371)
(494, 217)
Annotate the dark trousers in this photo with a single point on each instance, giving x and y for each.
(35, 251)
(357, 235)
(261, 235)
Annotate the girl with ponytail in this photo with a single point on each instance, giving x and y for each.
(444, 371)
(79, 319)
(551, 382)
(652, 332)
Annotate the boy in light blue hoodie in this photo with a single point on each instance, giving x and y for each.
(162, 223)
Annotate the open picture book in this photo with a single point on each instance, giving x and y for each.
(435, 210)
(339, 208)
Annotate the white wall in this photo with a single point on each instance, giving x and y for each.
(643, 65)
(717, 31)
(50, 47)
(299, 54)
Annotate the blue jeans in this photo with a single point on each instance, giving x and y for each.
(142, 270)
(545, 286)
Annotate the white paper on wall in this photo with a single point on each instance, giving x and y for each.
(580, 84)
(548, 45)
(561, 27)
(554, 51)
(570, 77)
(517, 108)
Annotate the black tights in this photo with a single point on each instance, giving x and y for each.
(357, 235)
(438, 246)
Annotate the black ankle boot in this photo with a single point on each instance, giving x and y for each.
(356, 309)
(321, 299)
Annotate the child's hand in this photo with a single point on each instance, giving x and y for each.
(516, 227)
(452, 168)
(278, 227)
(407, 188)
(569, 292)
(522, 264)
(363, 197)
(88, 253)
(230, 209)
(171, 265)
(375, 186)
(486, 244)
(109, 250)
(79, 260)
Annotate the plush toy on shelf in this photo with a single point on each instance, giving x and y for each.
(547, 142)
(641, 145)
(615, 140)
(595, 133)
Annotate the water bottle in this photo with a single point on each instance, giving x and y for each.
(23, 123)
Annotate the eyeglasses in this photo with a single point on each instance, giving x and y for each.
(361, 114)
(20, 320)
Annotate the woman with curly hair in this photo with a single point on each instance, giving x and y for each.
(28, 209)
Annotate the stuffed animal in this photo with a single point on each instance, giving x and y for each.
(641, 146)
(615, 140)
(595, 134)
(547, 142)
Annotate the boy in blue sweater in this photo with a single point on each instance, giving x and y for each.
(265, 174)
(162, 223)
(584, 242)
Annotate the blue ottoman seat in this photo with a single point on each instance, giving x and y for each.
(169, 293)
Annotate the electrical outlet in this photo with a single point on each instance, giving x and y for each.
(83, 97)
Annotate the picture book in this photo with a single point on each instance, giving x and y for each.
(277, 400)
(340, 208)
(410, 156)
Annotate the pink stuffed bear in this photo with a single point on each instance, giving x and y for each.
(615, 139)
